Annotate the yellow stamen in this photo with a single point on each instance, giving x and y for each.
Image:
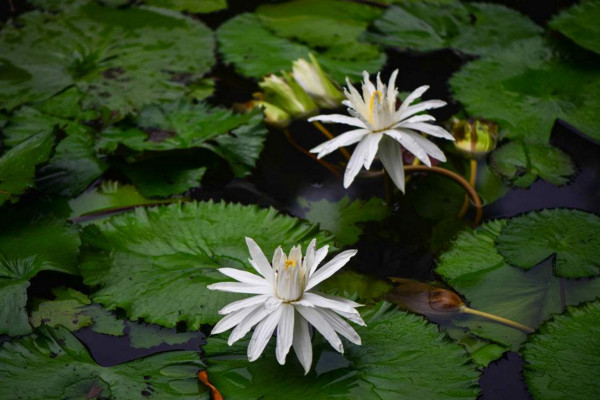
(372, 103)
(289, 262)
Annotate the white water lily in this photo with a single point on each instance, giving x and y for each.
(316, 83)
(383, 129)
(284, 301)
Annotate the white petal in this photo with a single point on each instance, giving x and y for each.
(352, 317)
(238, 305)
(232, 320)
(339, 119)
(238, 287)
(417, 108)
(285, 332)
(261, 264)
(390, 154)
(262, 334)
(417, 118)
(278, 259)
(309, 258)
(345, 139)
(330, 268)
(320, 301)
(391, 90)
(418, 92)
(341, 327)
(243, 276)
(315, 317)
(247, 323)
(363, 156)
(344, 300)
(428, 146)
(432, 130)
(409, 144)
(301, 343)
(319, 257)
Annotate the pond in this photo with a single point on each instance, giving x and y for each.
(153, 152)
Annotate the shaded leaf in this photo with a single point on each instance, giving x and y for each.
(156, 263)
(193, 6)
(569, 237)
(580, 24)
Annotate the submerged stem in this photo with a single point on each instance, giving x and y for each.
(330, 167)
(214, 392)
(330, 136)
(389, 188)
(458, 179)
(501, 320)
(472, 178)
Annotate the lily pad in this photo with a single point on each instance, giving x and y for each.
(569, 237)
(120, 59)
(474, 268)
(580, 24)
(522, 163)
(52, 364)
(26, 248)
(561, 360)
(526, 87)
(402, 357)
(156, 263)
(269, 40)
(344, 218)
(474, 28)
(193, 6)
(18, 165)
(237, 138)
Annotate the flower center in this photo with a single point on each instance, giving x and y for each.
(372, 103)
(289, 262)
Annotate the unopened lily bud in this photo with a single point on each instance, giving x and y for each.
(274, 115)
(316, 83)
(284, 93)
(424, 298)
(475, 138)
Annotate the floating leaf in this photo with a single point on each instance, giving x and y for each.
(569, 237)
(193, 6)
(26, 248)
(52, 364)
(561, 360)
(278, 34)
(523, 163)
(527, 86)
(120, 59)
(237, 138)
(17, 165)
(474, 28)
(474, 267)
(401, 356)
(345, 217)
(156, 263)
(580, 24)
(352, 284)
(164, 177)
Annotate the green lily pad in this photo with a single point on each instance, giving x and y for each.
(569, 237)
(156, 263)
(52, 364)
(522, 163)
(344, 218)
(18, 165)
(401, 357)
(474, 268)
(26, 248)
(580, 24)
(474, 28)
(193, 6)
(561, 359)
(526, 87)
(237, 138)
(351, 284)
(269, 40)
(120, 59)
(164, 177)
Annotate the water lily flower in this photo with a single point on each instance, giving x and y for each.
(285, 93)
(383, 129)
(316, 83)
(475, 138)
(285, 300)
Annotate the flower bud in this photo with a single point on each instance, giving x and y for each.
(316, 83)
(475, 138)
(423, 298)
(287, 95)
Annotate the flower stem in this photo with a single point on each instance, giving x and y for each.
(330, 136)
(505, 321)
(389, 188)
(472, 178)
(214, 392)
(458, 179)
(330, 167)
(416, 161)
